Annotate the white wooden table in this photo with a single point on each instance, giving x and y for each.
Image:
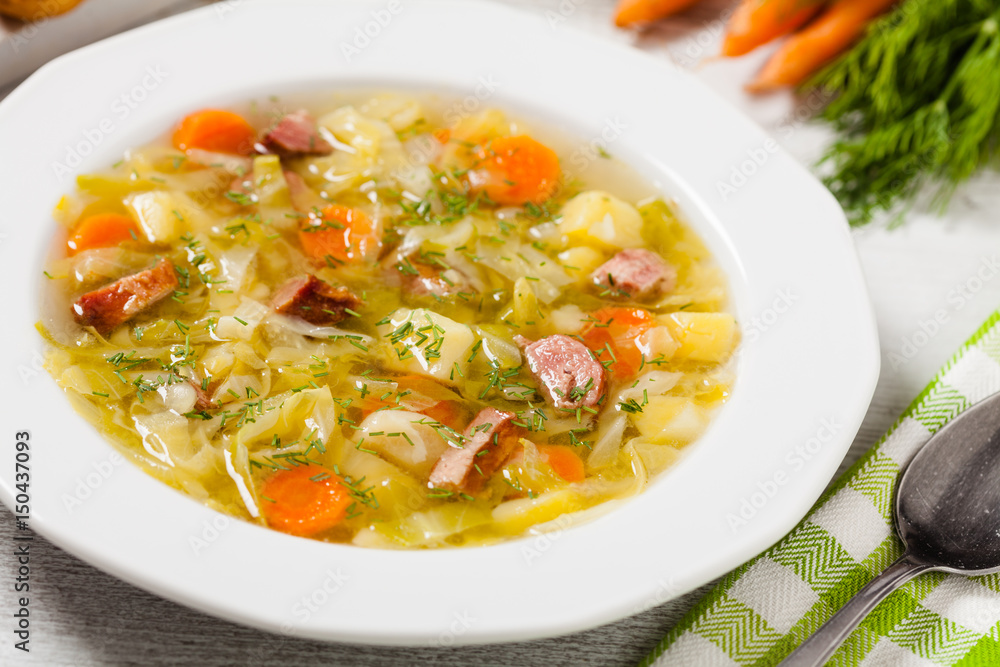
(932, 281)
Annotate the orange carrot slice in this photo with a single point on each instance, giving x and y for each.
(632, 12)
(756, 22)
(820, 42)
(516, 170)
(448, 413)
(444, 412)
(103, 230)
(343, 235)
(618, 328)
(217, 131)
(307, 500)
(563, 461)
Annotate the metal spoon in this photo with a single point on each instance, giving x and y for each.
(947, 514)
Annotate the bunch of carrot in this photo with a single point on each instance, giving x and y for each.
(828, 28)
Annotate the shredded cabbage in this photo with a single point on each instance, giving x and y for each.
(368, 388)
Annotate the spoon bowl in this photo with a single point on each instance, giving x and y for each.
(947, 513)
(948, 498)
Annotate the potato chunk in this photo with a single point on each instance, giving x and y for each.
(657, 343)
(601, 219)
(404, 439)
(673, 419)
(427, 343)
(165, 216)
(583, 260)
(479, 127)
(398, 111)
(702, 336)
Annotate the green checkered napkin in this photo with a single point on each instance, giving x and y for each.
(767, 607)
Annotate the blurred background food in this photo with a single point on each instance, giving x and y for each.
(815, 31)
(34, 10)
(33, 32)
(911, 87)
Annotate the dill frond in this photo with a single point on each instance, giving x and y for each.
(917, 106)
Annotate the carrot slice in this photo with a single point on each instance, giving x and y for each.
(217, 131)
(632, 12)
(563, 461)
(446, 412)
(618, 328)
(344, 235)
(818, 43)
(756, 22)
(307, 500)
(103, 230)
(516, 170)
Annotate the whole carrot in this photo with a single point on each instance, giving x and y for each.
(632, 12)
(756, 22)
(819, 43)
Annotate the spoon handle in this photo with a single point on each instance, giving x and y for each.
(818, 648)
